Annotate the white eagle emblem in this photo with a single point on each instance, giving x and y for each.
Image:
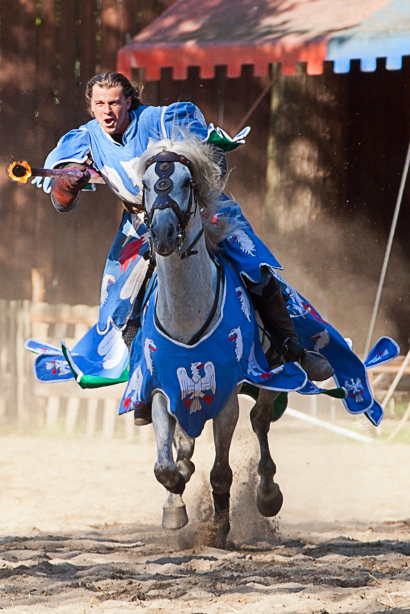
(244, 241)
(195, 386)
(236, 335)
(244, 301)
(355, 389)
(58, 367)
(112, 348)
(149, 347)
(321, 340)
(135, 280)
(133, 391)
(108, 280)
(255, 369)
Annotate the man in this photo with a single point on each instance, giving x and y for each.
(112, 144)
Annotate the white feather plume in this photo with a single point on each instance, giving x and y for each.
(149, 347)
(108, 280)
(135, 280)
(244, 301)
(236, 335)
(321, 340)
(245, 243)
(112, 348)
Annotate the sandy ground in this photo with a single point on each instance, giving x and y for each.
(80, 528)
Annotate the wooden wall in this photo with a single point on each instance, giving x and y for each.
(357, 125)
(49, 49)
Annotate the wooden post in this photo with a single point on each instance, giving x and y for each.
(73, 406)
(12, 359)
(92, 407)
(129, 425)
(304, 153)
(23, 329)
(110, 415)
(38, 290)
(3, 359)
(272, 170)
(52, 411)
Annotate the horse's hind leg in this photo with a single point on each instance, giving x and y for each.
(269, 498)
(166, 470)
(221, 474)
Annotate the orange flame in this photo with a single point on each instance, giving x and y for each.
(16, 171)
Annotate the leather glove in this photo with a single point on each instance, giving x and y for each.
(66, 191)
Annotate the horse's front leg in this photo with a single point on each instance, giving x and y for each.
(166, 470)
(184, 447)
(221, 473)
(269, 498)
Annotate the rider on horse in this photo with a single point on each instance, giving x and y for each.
(112, 143)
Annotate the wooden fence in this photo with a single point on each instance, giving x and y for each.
(28, 405)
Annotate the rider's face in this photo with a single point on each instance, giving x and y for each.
(110, 109)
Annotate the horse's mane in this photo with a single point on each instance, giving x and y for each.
(207, 176)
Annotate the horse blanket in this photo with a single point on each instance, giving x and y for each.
(198, 379)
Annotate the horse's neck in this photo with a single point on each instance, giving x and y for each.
(186, 292)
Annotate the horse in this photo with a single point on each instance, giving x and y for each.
(181, 183)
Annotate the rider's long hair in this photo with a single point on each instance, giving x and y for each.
(207, 176)
(113, 79)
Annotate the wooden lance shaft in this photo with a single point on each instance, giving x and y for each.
(20, 172)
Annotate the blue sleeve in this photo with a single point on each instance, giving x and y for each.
(72, 147)
(184, 115)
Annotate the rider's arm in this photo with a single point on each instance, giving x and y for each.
(186, 116)
(66, 192)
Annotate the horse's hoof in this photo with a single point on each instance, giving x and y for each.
(174, 517)
(269, 503)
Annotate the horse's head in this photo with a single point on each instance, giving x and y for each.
(182, 188)
(169, 199)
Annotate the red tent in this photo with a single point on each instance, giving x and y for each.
(233, 33)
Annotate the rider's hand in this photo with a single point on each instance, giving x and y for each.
(78, 184)
(66, 191)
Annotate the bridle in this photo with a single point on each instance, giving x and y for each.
(164, 168)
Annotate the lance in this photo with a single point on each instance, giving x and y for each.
(21, 172)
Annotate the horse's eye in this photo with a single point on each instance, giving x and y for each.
(187, 182)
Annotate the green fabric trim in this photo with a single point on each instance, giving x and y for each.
(279, 406)
(336, 393)
(224, 143)
(94, 381)
(250, 391)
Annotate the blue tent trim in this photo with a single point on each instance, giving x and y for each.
(385, 34)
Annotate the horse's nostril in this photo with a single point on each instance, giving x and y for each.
(171, 231)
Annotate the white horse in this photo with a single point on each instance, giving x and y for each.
(181, 186)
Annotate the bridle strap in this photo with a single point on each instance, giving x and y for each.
(164, 168)
(169, 156)
(189, 251)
